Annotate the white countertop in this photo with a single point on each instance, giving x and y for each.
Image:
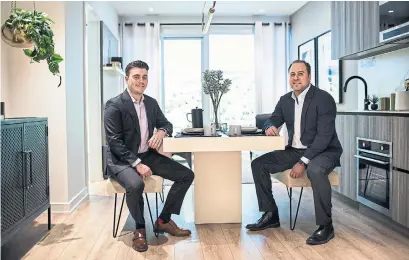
(374, 111)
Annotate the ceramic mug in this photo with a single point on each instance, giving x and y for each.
(235, 130)
(210, 130)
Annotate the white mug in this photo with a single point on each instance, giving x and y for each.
(210, 130)
(235, 130)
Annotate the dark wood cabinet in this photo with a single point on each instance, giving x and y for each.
(375, 127)
(400, 139)
(400, 197)
(346, 126)
(24, 173)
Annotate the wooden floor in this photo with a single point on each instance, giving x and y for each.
(87, 234)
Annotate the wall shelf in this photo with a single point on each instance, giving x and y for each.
(114, 70)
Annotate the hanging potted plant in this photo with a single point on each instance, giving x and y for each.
(26, 29)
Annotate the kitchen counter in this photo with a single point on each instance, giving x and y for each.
(374, 112)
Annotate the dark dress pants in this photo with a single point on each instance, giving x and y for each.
(162, 166)
(317, 171)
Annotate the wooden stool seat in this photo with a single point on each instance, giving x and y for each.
(303, 181)
(153, 184)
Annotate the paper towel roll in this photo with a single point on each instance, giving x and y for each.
(402, 100)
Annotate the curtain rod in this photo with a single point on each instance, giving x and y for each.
(151, 24)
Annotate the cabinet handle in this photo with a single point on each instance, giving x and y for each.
(26, 185)
(31, 168)
(24, 177)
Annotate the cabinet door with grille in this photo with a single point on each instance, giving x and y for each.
(36, 158)
(12, 182)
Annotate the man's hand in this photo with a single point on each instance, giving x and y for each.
(143, 170)
(273, 131)
(156, 141)
(297, 170)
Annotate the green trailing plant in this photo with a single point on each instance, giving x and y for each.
(214, 85)
(33, 26)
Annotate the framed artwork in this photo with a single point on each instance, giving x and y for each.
(307, 52)
(329, 71)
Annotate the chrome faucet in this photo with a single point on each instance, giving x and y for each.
(366, 104)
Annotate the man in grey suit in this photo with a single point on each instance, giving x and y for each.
(130, 119)
(309, 114)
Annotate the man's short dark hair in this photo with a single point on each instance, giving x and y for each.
(136, 64)
(307, 65)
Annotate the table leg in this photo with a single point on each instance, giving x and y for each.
(217, 187)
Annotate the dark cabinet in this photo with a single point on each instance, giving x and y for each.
(354, 27)
(400, 129)
(346, 126)
(400, 197)
(24, 173)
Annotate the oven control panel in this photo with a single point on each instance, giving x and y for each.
(375, 146)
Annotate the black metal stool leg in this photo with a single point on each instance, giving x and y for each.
(115, 231)
(49, 218)
(162, 195)
(290, 195)
(150, 213)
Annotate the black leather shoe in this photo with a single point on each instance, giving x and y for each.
(267, 220)
(322, 235)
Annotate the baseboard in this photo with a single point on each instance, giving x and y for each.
(384, 220)
(68, 207)
(350, 202)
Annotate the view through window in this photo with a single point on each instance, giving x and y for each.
(182, 69)
(234, 55)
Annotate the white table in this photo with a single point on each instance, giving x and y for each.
(218, 172)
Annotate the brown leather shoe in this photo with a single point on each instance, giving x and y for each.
(139, 240)
(171, 228)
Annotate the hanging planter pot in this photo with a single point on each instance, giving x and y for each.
(16, 38)
(31, 31)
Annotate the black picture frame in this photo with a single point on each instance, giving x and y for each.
(329, 71)
(307, 51)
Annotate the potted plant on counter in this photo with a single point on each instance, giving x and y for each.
(374, 100)
(31, 29)
(215, 86)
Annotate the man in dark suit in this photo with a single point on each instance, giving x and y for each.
(130, 119)
(309, 114)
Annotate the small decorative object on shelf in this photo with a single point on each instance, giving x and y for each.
(407, 84)
(374, 100)
(27, 29)
(215, 86)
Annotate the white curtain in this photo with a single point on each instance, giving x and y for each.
(271, 63)
(142, 42)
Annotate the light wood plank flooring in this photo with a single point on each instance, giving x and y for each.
(87, 234)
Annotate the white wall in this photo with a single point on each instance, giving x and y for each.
(106, 13)
(75, 86)
(31, 90)
(384, 74)
(311, 20)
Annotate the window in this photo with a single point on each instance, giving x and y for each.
(182, 68)
(234, 55)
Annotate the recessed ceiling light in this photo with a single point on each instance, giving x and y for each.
(150, 9)
(390, 11)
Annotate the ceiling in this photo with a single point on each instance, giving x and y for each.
(193, 8)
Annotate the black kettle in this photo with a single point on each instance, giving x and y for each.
(197, 117)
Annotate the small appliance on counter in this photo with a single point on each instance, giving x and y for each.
(402, 101)
(197, 117)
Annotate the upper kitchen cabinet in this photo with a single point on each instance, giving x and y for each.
(354, 26)
(362, 29)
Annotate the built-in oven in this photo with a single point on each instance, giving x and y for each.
(374, 170)
(394, 21)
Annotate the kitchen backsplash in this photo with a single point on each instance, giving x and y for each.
(384, 74)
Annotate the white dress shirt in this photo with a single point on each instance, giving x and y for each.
(298, 104)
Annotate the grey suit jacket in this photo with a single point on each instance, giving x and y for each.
(122, 129)
(317, 123)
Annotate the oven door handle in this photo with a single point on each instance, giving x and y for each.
(370, 159)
